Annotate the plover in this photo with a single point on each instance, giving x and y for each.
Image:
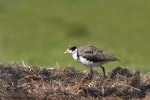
(91, 56)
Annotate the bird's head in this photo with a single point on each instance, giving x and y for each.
(71, 50)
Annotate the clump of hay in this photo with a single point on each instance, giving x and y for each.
(18, 82)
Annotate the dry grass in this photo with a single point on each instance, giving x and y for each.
(18, 82)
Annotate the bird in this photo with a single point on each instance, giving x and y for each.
(90, 56)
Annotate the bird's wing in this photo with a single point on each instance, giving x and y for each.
(94, 54)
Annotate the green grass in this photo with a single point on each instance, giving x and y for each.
(39, 31)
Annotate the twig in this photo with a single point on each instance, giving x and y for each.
(129, 86)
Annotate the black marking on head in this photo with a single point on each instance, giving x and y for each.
(72, 48)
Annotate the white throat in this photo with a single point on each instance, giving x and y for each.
(74, 54)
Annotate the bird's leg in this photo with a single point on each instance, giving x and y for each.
(91, 72)
(103, 71)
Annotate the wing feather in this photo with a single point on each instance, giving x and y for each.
(94, 54)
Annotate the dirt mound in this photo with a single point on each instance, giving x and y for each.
(18, 82)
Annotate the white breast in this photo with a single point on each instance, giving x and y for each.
(88, 63)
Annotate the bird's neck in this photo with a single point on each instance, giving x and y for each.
(75, 54)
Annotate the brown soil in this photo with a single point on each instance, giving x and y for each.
(32, 83)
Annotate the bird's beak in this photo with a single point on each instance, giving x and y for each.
(67, 51)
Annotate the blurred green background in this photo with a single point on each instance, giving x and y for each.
(39, 31)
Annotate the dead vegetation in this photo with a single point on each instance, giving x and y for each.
(21, 83)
